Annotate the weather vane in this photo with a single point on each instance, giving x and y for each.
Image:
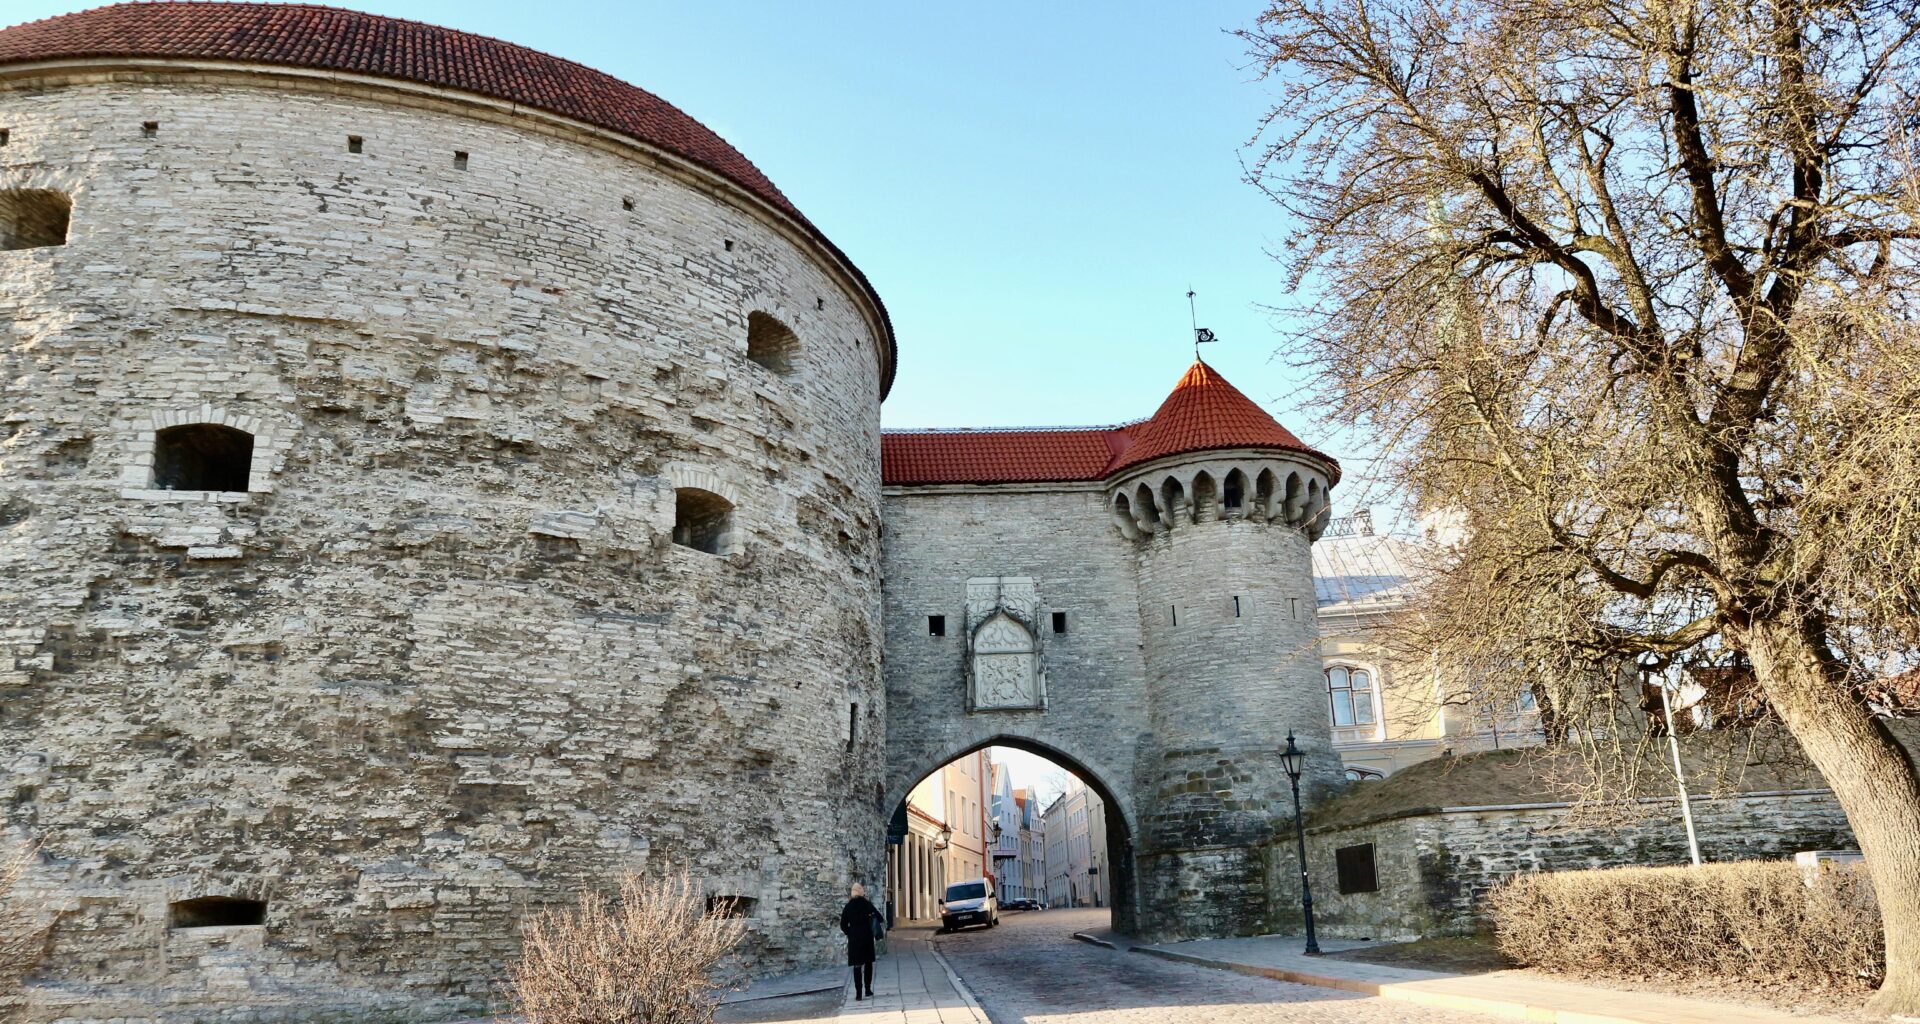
(1200, 334)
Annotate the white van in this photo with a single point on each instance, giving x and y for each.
(969, 902)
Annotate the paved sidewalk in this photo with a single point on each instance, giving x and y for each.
(912, 985)
(1500, 993)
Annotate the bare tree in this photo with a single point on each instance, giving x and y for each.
(1628, 285)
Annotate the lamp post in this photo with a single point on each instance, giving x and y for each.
(1654, 673)
(1294, 760)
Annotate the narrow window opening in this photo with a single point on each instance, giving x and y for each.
(34, 217)
(771, 343)
(6, 136)
(202, 457)
(627, 204)
(819, 304)
(1234, 491)
(354, 144)
(853, 724)
(459, 159)
(731, 906)
(1059, 622)
(149, 128)
(936, 625)
(216, 912)
(1173, 614)
(1236, 607)
(1293, 607)
(729, 244)
(702, 520)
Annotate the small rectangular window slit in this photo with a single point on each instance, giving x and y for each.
(149, 128)
(6, 136)
(354, 144)
(627, 204)
(459, 159)
(936, 625)
(853, 723)
(1173, 614)
(1236, 607)
(1059, 622)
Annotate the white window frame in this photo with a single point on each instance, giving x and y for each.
(1354, 732)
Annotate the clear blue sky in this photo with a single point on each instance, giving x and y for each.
(1031, 186)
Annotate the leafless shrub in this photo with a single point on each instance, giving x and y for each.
(645, 956)
(1757, 920)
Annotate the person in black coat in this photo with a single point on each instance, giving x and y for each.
(860, 920)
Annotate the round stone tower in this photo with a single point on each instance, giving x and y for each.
(435, 478)
(1222, 504)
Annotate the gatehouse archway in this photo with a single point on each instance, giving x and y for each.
(1121, 820)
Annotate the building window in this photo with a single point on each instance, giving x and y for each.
(1363, 775)
(771, 343)
(1351, 690)
(1059, 622)
(1356, 869)
(31, 218)
(702, 520)
(216, 912)
(936, 625)
(202, 457)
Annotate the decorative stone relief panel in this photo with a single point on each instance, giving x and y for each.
(1004, 671)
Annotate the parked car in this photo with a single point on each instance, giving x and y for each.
(969, 902)
(1021, 905)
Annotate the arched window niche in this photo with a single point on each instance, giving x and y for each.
(203, 457)
(772, 344)
(704, 509)
(200, 453)
(33, 218)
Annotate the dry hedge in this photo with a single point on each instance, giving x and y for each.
(1759, 920)
(646, 956)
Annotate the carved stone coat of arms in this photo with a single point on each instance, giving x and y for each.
(1004, 670)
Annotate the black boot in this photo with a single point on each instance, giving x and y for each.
(856, 985)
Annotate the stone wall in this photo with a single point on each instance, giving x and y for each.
(441, 665)
(1435, 868)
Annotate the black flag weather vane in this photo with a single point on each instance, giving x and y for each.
(1200, 334)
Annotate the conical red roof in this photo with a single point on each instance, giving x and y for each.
(1205, 413)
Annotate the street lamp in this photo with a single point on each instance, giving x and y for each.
(1294, 760)
(943, 839)
(1653, 672)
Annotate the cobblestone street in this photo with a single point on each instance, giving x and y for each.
(1030, 970)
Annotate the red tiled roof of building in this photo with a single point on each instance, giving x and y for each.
(332, 39)
(1204, 413)
(998, 456)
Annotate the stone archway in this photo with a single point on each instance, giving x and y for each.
(1122, 823)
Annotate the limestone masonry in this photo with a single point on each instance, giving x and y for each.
(436, 478)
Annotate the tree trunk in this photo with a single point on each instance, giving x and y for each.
(1872, 776)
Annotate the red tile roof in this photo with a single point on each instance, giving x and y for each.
(1204, 413)
(328, 38)
(998, 456)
